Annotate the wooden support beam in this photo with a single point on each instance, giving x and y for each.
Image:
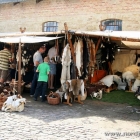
(19, 68)
(97, 45)
(70, 42)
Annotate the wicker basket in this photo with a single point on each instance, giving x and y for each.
(53, 98)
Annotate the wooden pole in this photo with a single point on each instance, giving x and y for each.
(97, 45)
(70, 43)
(19, 68)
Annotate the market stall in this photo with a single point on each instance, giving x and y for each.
(95, 54)
(87, 58)
(21, 38)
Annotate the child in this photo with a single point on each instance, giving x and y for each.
(43, 70)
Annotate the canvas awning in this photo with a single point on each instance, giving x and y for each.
(132, 45)
(27, 39)
(118, 34)
(14, 34)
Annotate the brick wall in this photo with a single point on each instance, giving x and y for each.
(79, 14)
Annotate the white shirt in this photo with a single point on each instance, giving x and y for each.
(52, 52)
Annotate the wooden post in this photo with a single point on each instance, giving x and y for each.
(70, 43)
(57, 46)
(19, 68)
(97, 45)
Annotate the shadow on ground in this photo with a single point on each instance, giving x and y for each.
(48, 113)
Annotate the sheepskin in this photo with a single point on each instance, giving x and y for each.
(75, 85)
(66, 60)
(136, 84)
(123, 59)
(13, 103)
(110, 79)
(79, 54)
(134, 69)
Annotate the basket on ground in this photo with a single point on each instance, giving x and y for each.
(53, 98)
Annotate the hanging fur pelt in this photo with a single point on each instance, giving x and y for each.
(66, 60)
(79, 55)
(86, 59)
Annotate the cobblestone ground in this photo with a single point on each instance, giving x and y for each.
(94, 120)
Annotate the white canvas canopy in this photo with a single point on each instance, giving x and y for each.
(107, 33)
(14, 34)
(27, 39)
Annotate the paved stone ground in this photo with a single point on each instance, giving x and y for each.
(94, 120)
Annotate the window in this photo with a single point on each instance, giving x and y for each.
(112, 24)
(50, 26)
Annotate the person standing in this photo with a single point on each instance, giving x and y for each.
(43, 70)
(52, 74)
(5, 59)
(52, 53)
(37, 59)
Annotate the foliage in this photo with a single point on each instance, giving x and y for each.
(120, 96)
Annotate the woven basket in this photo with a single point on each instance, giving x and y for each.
(53, 98)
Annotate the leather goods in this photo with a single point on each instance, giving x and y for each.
(98, 75)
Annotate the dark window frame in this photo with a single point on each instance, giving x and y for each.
(50, 26)
(112, 24)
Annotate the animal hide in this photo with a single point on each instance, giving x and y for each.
(79, 56)
(123, 60)
(76, 86)
(13, 103)
(73, 71)
(92, 58)
(110, 79)
(132, 68)
(86, 58)
(97, 95)
(66, 60)
(130, 73)
(136, 84)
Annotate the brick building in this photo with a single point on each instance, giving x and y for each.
(37, 15)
